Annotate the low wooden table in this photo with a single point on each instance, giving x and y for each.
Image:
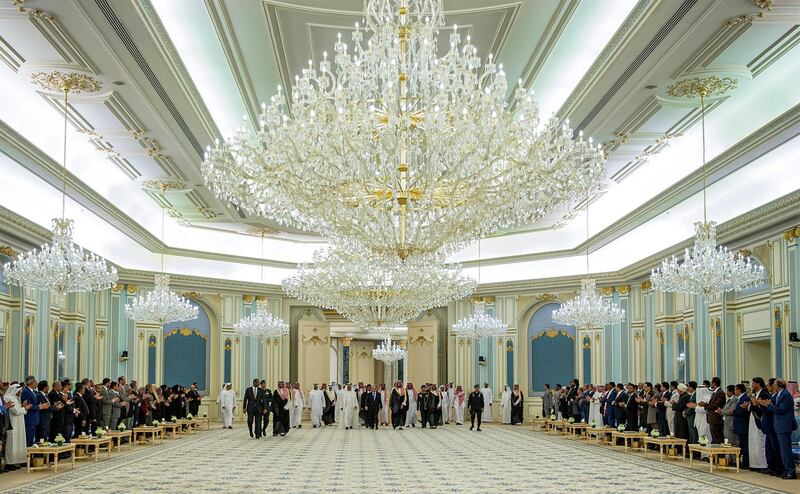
(203, 420)
(117, 437)
(555, 427)
(188, 426)
(714, 451)
(148, 433)
(628, 437)
(94, 446)
(600, 434)
(539, 424)
(50, 453)
(172, 430)
(575, 430)
(667, 444)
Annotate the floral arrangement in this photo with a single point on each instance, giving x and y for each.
(571, 420)
(121, 427)
(189, 416)
(59, 440)
(173, 419)
(703, 440)
(654, 433)
(593, 424)
(621, 427)
(553, 417)
(100, 433)
(155, 423)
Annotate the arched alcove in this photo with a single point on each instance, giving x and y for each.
(186, 350)
(552, 350)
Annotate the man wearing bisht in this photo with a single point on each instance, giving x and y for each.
(281, 404)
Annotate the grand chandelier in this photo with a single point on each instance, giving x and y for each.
(588, 310)
(261, 324)
(377, 291)
(707, 269)
(61, 266)
(401, 149)
(388, 352)
(479, 324)
(161, 304)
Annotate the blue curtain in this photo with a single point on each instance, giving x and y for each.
(186, 351)
(151, 359)
(510, 363)
(552, 349)
(227, 359)
(587, 359)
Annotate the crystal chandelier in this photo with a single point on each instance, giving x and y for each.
(161, 304)
(707, 270)
(376, 291)
(401, 149)
(261, 324)
(479, 325)
(588, 310)
(61, 266)
(388, 352)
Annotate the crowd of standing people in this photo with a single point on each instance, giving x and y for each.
(36, 411)
(759, 419)
(364, 405)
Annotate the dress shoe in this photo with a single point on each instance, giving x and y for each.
(789, 476)
(479, 429)
(471, 427)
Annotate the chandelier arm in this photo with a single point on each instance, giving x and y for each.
(703, 132)
(64, 168)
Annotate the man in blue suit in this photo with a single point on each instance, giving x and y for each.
(781, 406)
(31, 395)
(610, 405)
(741, 422)
(619, 405)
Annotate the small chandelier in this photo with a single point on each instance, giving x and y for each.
(61, 266)
(261, 324)
(161, 304)
(479, 324)
(376, 291)
(708, 269)
(588, 310)
(388, 352)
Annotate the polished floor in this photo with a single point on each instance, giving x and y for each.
(449, 459)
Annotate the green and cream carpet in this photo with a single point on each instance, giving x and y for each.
(449, 459)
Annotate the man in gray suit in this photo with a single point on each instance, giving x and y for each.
(727, 415)
(107, 402)
(548, 402)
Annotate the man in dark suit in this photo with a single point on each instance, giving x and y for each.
(475, 405)
(91, 403)
(252, 405)
(716, 402)
(781, 406)
(631, 409)
(619, 405)
(266, 407)
(30, 395)
(572, 401)
(45, 415)
(82, 419)
(371, 405)
(763, 419)
(57, 404)
(193, 400)
(741, 422)
(609, 405)
(68, 426)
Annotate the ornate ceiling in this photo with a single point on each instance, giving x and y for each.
(178, 73)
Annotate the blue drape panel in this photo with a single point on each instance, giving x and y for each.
(552, 350)
(151, 359)
(510, 363)
(228, 355)
(587, 359)
(186, 351)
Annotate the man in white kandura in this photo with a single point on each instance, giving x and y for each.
(445, 404)
(317, 400)
(298, 404)
(349, 408)
(227, 404)
(505, 405)
(595, 416)
(451, 393)
(337, 414)
(487, 400)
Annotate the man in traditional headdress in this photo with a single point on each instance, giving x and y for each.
(398, 403)
(281, 403)
(329, 408)
(317, 403)
(227, 403)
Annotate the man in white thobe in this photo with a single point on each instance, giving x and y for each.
(349, 408)
(451, 393)
(505, 405)
(339, 401)
(445, 403)
(298, 404)
(317, 401)
(487, 400)
(227, 405)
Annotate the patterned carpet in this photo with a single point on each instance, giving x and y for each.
(450, 459)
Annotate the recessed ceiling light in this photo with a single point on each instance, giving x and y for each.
(650, 86)
(118, 83)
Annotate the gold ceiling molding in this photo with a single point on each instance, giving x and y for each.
(262, 231)
(33, 13)
(315, 338)
(623, 289)
(702, 87)
(791, 234)
(764, 4)
(6, 250)
(248, 299)
(66, 82)
(190, 295)
(486, 300)
(186, 331)
(164, 185)
(545, 297)
(131, 288)
(647, 285)
(261, 298)
(606, 291)
(346, 341)
(116, 287)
